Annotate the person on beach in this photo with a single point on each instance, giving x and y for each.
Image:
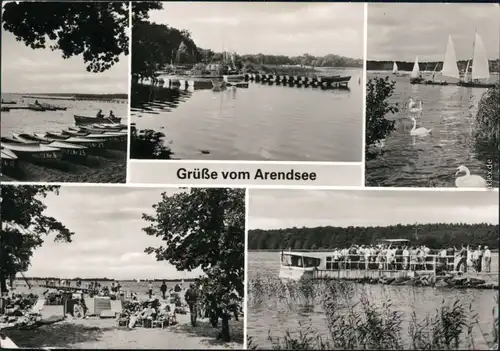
(463, 259)
(150, 290)
(163, 289)
(487, 259)
(191, 298)
(480, 259)
(100, 114)
(111, 114)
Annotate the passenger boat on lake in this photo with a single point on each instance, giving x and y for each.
(343, 264)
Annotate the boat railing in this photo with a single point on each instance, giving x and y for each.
(417, 262)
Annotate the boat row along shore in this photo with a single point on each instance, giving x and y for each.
(89, 136)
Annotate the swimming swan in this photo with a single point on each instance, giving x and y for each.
(419, 131)
(469, 180)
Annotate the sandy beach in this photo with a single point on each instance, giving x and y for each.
(107, 168)
(95, 333)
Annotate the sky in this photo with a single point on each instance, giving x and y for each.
(108, 240)
(25, 70)
(290, 29)
(400, 32)
(276, 209)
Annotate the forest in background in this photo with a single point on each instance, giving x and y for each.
(436, 235)
(424, 66)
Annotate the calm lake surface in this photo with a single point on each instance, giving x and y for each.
(278, 317)
(27, 121)
(450, 111)
(263, 122)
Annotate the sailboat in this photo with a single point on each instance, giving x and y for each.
(233, 78)
(450, 68)
(416, 76)
(480, 67)
(395, 69)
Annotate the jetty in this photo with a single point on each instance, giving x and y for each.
(324, 82)
(72, 289)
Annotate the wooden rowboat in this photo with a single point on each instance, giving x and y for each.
(89, 143)
(31, 151)
(94, 120)
(67, 149)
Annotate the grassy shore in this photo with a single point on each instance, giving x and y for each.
(110, 167)
(95, 333)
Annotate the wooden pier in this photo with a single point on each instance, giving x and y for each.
(324, 82)
(73, 289)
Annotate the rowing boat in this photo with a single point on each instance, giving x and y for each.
(94, 130)
(109, 136)
(67, 149)
(35, 151)
(35, 107)
(94, 120)
(90, 143)
(9, 159)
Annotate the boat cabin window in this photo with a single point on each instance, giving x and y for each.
(329, 261)
(299, 261)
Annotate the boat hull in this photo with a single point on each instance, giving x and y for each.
(476, 85)
(95, 120)
(416, 80)
(89, 143)
(295, 273)
(68, 149)
(33, 152)
(35, 108)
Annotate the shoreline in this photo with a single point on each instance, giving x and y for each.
(95, 333)
(108, 168)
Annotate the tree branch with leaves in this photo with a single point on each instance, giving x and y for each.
(204, 228)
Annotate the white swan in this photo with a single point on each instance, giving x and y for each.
(469, 180)
(412, 106)
(419, 131)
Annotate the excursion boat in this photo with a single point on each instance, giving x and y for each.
(89, 143)
(31, 151)
(326, 265)
(34, 107)
(67, 149)
(9, 158)
(94, 120)
(479, 70)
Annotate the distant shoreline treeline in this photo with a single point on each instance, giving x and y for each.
(424, 66)
(102, 279)
(432, 235)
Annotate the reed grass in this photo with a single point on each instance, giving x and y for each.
(487, 118)
(362, 325)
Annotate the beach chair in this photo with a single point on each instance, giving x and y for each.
(38, 306)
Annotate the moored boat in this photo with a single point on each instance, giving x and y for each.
(89, 143)
(110, 125)
(9, 158)
(50, 107)
(35, 151)
(415, 75)
(107, 136)
(9, 102)
(95, 120)
(4, 109)
(67, 149)
(35, 107)
(94, 130)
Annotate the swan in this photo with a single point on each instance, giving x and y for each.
(412, 106)
(469, 180)
(419, 131)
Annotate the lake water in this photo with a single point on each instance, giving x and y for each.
(263, 122)
(27, 121)
(450, 111)
(278, 317)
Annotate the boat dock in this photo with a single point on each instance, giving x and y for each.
(325, 82)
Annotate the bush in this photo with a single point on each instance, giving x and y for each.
(378, 91)
(148, 144)
(487, 119)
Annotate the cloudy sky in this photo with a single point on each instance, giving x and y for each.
(274, 209)
(403, 31)
(25, 70)
(108, 240)
(270, 28)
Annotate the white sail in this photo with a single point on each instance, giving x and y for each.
(480, 66)
(395, 68)
(450, 68)
(416, 69)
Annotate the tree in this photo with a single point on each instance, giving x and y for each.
(95, 30)
(23, 227)
(204, 228)
(378, 92)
